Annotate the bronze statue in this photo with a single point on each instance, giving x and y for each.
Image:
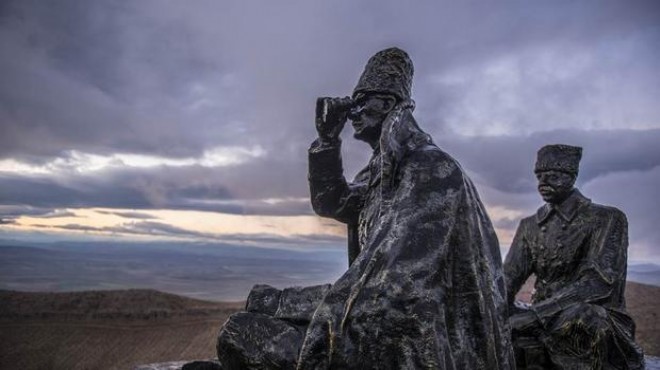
(425, 286)
(578, 251)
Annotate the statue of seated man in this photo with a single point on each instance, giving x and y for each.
(578, 251)
(424, 288)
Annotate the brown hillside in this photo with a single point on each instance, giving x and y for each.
(106, 329)
(121, 329)
(644, 306)
(105, 304)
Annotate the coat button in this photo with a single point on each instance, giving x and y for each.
(564, 226)
(560, 245)
(543, 228)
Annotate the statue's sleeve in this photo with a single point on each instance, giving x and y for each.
(518, 264)
(604, 265)
(331, 195)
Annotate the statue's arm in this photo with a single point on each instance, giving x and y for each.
(518, 264)
(607, 259)
(604, 264)
(331, 195)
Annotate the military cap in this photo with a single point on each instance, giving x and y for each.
(388, 71)
(559, 157)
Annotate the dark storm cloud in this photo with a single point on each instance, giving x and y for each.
(123, 188)
(133, 215)
(8, 213)
(58, 213)
(175, 79)
(104, 77)
(150, 228)
(636, 194)
(46, 192)
(137, 228)
(619, 168)
(75, 227)
(233, 189)
(506, 163)
(507, 223)
(315, 240)
(501, 166)
(157, 228)
(24, 210)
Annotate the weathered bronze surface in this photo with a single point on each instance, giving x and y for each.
(578, 251)
(425, 286)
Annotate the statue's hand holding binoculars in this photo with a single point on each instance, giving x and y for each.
(331, 116)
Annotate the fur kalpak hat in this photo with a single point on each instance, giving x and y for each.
(388, 71)
(559, 157)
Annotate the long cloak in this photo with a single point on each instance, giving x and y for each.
(426, 288)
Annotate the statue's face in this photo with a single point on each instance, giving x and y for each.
(555, 186)
(368, 115)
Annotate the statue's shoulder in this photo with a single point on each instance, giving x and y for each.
(605, 211)
(431, 154)
(530, 221)
(436, 163)
(541, 214)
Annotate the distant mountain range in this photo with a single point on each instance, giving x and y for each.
(645, 273)
(219, 272)
(213, 272)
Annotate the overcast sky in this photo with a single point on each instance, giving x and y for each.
(191, 120)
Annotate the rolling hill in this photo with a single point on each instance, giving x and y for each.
(119, 329)
(106, 329)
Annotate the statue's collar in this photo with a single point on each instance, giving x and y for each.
(399, 136)
(566, 210)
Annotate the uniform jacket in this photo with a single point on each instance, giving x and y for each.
(578, 252)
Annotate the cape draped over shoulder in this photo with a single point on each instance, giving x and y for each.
(427, 288)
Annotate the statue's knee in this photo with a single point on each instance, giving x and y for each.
(583, 319)
(590, 310)
(236, 326)
(263, 299)
(256, 341)
(593, 316)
